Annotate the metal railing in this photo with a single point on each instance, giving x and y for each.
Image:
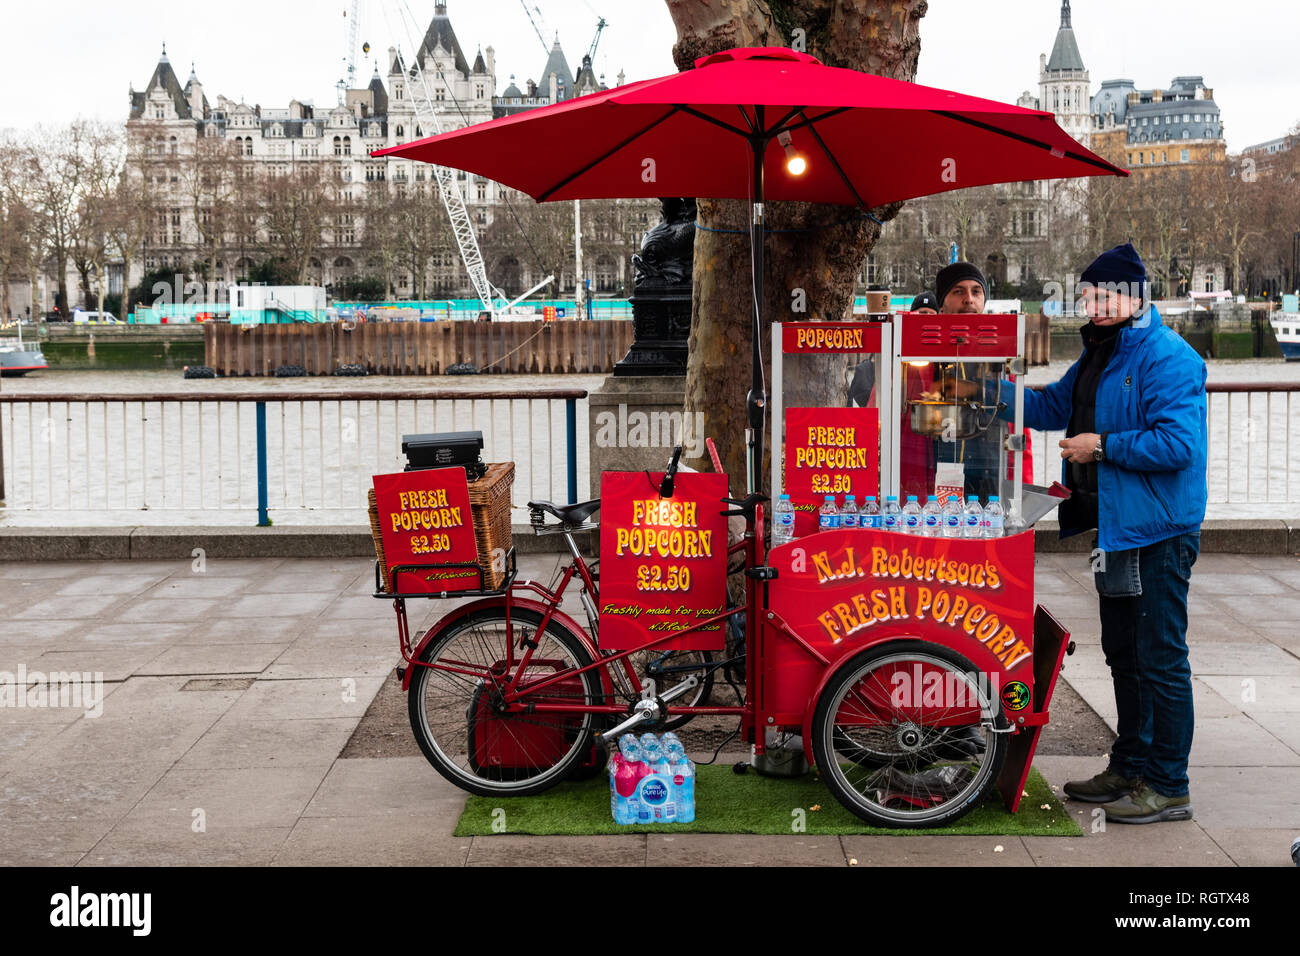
(225, 457)
(1253, 464)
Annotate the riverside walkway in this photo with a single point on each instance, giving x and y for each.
(233, 686)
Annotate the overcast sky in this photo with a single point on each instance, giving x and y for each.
(69, 58)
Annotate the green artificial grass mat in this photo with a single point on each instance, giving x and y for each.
(730, 803)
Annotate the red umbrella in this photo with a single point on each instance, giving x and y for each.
(863, 140)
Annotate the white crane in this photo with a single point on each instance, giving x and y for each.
(466, 241)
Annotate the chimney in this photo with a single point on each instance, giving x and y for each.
(1042, 63)
(492, 66)
(1157, 96)
(554, 87)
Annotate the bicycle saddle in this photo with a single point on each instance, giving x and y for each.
(569, 514)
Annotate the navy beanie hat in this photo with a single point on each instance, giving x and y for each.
(1119, 266)
(949, 276)
(925, 300)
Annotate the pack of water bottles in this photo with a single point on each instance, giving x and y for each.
(953, 518)
(651, 781)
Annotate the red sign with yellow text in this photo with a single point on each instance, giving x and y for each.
(842, 591)
(425, 519)
(829, 451)
(663, 560)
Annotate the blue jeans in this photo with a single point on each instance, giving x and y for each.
(1144, 638)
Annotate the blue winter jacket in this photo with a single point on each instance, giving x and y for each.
(1151, 408)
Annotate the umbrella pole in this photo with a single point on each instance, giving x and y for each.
(756, 401)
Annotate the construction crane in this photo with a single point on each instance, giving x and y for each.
(348, 81)
(426, 115)
(591, 51)
(538, 23)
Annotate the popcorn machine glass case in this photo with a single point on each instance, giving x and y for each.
(955, 437)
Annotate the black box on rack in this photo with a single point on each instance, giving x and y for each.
(445, 450)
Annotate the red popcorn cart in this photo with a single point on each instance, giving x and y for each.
(901, 652)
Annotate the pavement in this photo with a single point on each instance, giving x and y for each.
(232, 686)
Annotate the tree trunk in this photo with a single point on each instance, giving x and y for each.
(877, 36)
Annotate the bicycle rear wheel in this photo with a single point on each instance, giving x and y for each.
(457, 709)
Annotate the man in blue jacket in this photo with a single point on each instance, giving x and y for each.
(1134, 458)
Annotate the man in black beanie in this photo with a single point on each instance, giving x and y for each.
(961, 288)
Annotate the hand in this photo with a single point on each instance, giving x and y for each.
(1079, 449)
(962, 389)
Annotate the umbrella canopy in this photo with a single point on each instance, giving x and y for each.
(868, 140)
(865, 141)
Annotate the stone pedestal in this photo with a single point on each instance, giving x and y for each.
(661, 324)
(634, 422)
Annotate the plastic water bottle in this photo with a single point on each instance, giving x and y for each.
(684, 787)
(626, 770)
(655, 790)
(951, 515)
(828, 516)
(849, 513)
(912, 516)
(994, 523)
(930, 520)
(672, 746)
(973, 518)
(892, 515)
(869, 514)
(783, 529)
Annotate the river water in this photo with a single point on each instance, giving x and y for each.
(150, 464)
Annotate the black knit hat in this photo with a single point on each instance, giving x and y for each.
(1121, 266)
(925, 300)
(949, 276)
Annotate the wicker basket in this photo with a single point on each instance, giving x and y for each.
(489, 501)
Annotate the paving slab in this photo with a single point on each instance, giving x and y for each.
(1251, 847)
(1238, 741)
(334, 580)
(507, 850)
(338, 661)
(200, 586)
(1255, 693)
(81, 607)
(136, 634)
(245, 744)
(937, 850)
(268, 630)
(157, 700)
(310, 699)
(228, 797)
(1248, 796)
(371, 841)
(122, 741)
(1217, 659)
(387, 786)
(717, 849)
(1282, 724)
(143, 844)
(184, 610)
(98, 789)
(116, 664)
(276, 605)
(50, 842)
(190, 659)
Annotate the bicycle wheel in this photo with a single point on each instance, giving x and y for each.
(455, 704)
(668, 669)
(884, 731)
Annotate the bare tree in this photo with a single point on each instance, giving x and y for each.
(298, 206)
(55, 168)
(208, 178)
(17, 222)
(100, 151)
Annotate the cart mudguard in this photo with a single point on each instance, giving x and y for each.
(523, 604)
(831, 671)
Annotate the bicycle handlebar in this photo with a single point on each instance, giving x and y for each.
(666, 486)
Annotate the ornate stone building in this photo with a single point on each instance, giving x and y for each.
(172, 130)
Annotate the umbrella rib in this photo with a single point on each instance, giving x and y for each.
(716, 122)
(600, 159)
(1030, 141)
(816, 119)
(835, 164)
